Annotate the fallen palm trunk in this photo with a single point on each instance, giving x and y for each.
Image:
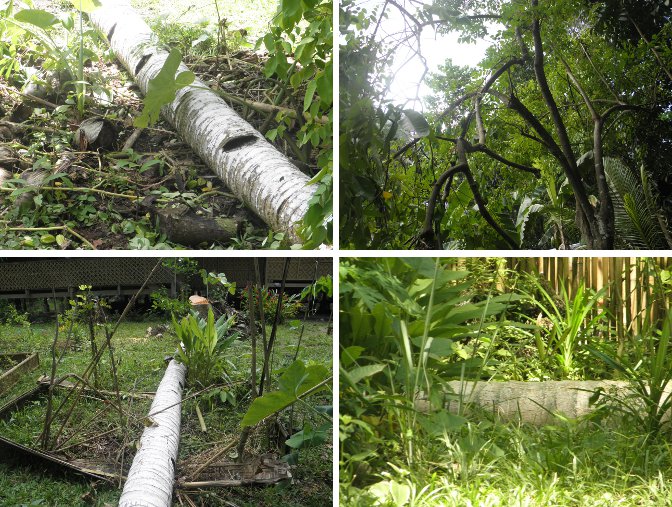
(263, 178)
(151, 477)
(533, 402)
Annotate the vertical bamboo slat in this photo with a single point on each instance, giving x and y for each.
(617, 306)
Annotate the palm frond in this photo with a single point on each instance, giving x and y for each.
(635, 208)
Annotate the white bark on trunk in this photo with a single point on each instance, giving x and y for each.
(533, 402)
(262, 177)
(150, 479)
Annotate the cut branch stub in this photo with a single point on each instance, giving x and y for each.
(262, 177)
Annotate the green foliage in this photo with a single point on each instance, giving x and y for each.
(37, 17)
(403, 325)
(637, 214)
(217, 285)
(650, 378)
(202, 343)
(10, 315)
(87, 6)
(290, 304)
(84, 307)
(297, 380)
(300, 49)
(163, 304)
(182, 265)
(363, 148)
(323, 285)
(471, 457)
(316, 227)
(162, 88)
(571, 323)
(310, 437)
(67, 61)
(188, 38)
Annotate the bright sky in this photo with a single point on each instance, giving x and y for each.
(435, 48)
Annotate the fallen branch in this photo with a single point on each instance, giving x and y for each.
(263, 107)
(29, 96)
(81, 189)
(132, 139)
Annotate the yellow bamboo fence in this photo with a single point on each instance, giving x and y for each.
(636, 290)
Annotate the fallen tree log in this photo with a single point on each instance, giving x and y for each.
(257, 173)
(182, 225)
(532, 402)
(151, 477)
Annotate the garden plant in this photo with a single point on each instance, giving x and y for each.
(429, 348)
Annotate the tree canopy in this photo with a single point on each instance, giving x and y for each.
(560, 137)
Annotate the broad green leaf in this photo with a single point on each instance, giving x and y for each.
(86, 5)
(310, 92)
(438, 423)
(412, 125)
(37, 17)
(296, 380)
(308, 437)
(325, 85)
(350, 355)
(439, 346)
(391, 493)
(162, 88)
(420, 285)
(361, 372)
(266, 405)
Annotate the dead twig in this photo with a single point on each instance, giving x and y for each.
(132, 139)
(29, 96)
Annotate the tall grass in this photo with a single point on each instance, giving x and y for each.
(408, 314)
(650, 377)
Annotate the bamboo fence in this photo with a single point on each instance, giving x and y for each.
(635, 294)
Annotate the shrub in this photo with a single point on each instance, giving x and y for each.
(11, 316)
(290, 304)
(202, 343)
(163, 304)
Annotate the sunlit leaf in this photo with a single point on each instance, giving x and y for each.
(162, 89)
(86, 5)
(37, 17)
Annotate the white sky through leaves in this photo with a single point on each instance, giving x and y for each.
(436, 49)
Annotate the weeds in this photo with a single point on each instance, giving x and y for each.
(569, 325)
(650, 377)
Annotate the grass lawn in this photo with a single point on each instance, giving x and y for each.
(254, 16)
(140, 368)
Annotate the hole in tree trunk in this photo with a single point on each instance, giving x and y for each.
(111, 32)
(238, 142)
(143, 61)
